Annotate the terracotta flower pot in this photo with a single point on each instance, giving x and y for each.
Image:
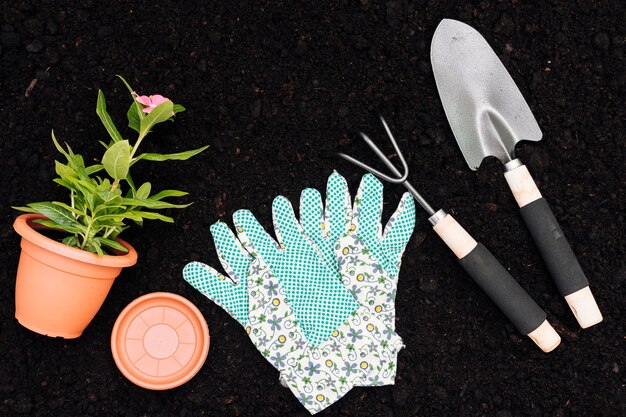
(59, 289)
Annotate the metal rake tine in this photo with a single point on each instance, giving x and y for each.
(418, 197)
(370, 169)
(396, 180)
(400, 177)
(405, 167)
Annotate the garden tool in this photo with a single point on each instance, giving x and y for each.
(271, 307)
(489, 116)
(352, 240)
(475, 258)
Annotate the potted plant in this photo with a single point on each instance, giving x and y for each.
(61, 283)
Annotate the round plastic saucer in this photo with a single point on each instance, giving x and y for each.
(160, 341)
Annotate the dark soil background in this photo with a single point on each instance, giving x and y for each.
(271, 86)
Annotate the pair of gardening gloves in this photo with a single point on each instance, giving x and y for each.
(318, 303)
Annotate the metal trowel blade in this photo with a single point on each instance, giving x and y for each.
(486, 111)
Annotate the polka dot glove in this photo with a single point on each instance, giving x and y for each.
(352, 240)
(357, 352)
(318, 299)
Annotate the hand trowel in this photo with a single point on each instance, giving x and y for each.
(489, 116)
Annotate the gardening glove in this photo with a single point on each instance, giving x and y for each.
(313, 287)
(317, 375)
(352, 239)
(319, 300)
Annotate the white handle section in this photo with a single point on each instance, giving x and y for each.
(545, 337)
(522, 185)
(453, 234)
(584, 307)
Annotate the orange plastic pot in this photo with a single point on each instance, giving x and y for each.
(59, 289)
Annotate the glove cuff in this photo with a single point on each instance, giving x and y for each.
(318, 395)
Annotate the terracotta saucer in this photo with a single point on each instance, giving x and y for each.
(160, 341)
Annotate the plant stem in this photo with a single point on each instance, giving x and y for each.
(116, 183)
(82, 246)
(72, 203)
(139, 139)
(108, 232)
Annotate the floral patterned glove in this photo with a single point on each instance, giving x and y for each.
(317, 374)
(352, 239)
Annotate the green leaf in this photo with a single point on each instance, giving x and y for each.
(151, 203)
(167, 193)
(68, 208)
(104, 184)
(64, 171)
(94, 246)
(93, 169)
(25, 209)
(131, 183)
(116, 160)
(108, 196)
(64, 183)
(119, 217)
(75, 161)
(85, 187)
(85, 191)
(154, 216)
(180, 156)
(113, 244)
(57, 214)
(110, 209)
(54, 225)
(101, 111)
(106, 145)
(159, 114)
(117, 231)
(134, 113)
(59, 148)
(143, 191)
(178, 108)
(71, 241)
(134, 121)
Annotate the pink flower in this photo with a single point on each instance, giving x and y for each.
(151, 102)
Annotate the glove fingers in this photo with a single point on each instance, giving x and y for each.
(287, 228)
(319, 300)
(312, 287)
(325, 230)
(229, 295)
(311, 214)
(253, 236)
(368, 206)
(233, 257)
(338, 210)
(398, 230)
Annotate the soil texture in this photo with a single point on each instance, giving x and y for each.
(272, 86)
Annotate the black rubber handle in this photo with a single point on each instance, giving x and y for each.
(553, 246)
(503, 290)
